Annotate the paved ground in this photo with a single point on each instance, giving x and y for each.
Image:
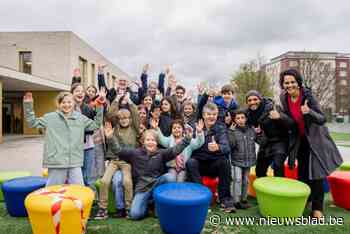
(20, 153)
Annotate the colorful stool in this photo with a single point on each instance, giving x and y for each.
(182, 207)
(251, 179)
(339, 183)
(281, 197)
(16, 190)
(291, 173)
(8, 175)
(345, 167)
(111, 202)
(59, 209)
(212, 184)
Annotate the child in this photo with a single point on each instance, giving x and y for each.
(64, 137)
(177, 133)
(126, 123)
(242, 142)
(147, 166)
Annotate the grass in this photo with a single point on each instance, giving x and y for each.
(151, 225)
(340, 136)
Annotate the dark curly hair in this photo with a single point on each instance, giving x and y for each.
(291, 72)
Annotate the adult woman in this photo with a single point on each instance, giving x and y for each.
(310, 141)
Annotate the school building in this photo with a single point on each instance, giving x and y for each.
(43, 63)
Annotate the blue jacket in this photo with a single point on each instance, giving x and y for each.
(223, 108)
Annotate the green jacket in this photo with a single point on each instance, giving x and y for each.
(64, 137)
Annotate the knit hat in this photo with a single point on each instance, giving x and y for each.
(253, 93)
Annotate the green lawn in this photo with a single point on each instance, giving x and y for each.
(340, 136)
(11, 225)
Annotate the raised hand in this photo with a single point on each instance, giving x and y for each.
(154, 123)
(28, 97)
(305, 109)
(274, 114)
(200, 126)
(172, 81)
(108, 130)
(76, 72)
(145, 68)
(167, 70)
(200, 88)
(213, 146)
(188, 132)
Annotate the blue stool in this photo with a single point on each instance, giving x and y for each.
(182, 207)
(16, 190)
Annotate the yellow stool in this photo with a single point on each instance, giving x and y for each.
(59, 209)
(252, 177)
(45, 172)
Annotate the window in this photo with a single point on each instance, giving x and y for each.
(343, 65)
(83, 70)
(93, 75)
(343, 74)
(25, 62)
(343, 82)
(293, 63)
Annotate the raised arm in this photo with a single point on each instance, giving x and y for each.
(29, 114)
(91, 125)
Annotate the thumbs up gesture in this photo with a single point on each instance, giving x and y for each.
(305, 109)
(213, 146)
(274, 114)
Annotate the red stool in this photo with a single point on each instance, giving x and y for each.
(212, 184)
(291, 173)
(339, 183)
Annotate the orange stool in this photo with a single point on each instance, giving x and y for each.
(252, 177)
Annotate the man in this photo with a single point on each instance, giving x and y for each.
(212, 158)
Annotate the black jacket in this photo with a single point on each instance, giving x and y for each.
(220, 134)
(146, 168)
(165, 121)
(324, 156)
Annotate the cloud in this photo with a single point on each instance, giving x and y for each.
(202, 40)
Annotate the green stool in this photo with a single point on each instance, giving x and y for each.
(111, 203)
(345, 167)
(8, 175)
(281, 197)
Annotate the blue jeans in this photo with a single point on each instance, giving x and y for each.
(88, 168)
(117, 186)
(139, 204)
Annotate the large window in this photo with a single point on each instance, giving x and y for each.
(25, 62)
(83, 70)
(343, 74)
(343, 65)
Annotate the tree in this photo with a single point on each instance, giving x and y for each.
(320, 76)
(250, 76)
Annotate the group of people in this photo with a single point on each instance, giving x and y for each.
(137, 139)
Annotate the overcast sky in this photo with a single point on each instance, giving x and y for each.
(200, 39)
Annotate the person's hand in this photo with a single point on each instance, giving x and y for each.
(102, 93)
(167, 70)
(154, 123)
(305, 109)
(145, 68)
(28, 97)
(274, 114)
(172, 81)
(200, 126)
(179, 163)
(76, 72)
(213, 146)
(200, 88)
(108, 130)
(188, 132)
(127, 99)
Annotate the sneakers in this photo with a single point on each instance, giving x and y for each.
(227, 205)
(121, 213)
(102, 214)
(242, 205)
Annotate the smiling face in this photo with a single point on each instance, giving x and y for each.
(188, 110)
(253, 102)
(165, 106)
(290, 84)
(152, 88)
(240, 120)
(78, 94)
(91, 92)
(228, 96)
(210, 117)
(124, 118)
(150, 141)
(66, 105)
(180, 94)
(177, 130)
(147, 101)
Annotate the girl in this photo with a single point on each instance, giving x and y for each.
(64, 138)
(177, 134)
(168, 112)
